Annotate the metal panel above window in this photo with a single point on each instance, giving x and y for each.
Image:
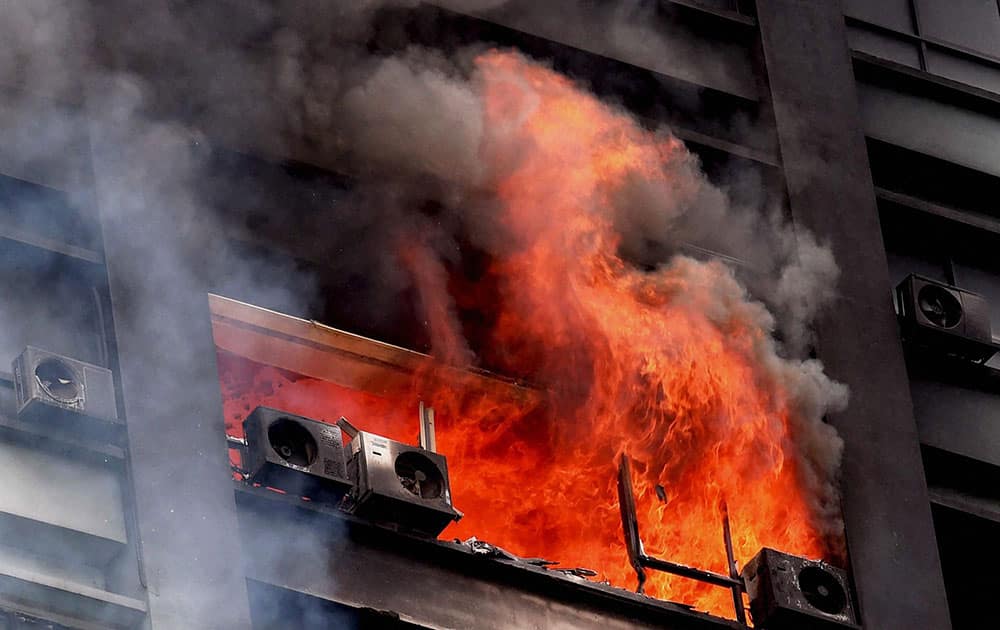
(965, 70)
(647, 35)
(931, 127)
(973, 24)
(894, 14)
(884, 45)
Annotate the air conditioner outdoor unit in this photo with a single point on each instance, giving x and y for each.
(945, 318)
(792, 593)
(56, 389)
(404, 487)
(294, 454)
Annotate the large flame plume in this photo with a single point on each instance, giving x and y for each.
(675, 367)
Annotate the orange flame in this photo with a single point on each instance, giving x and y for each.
(674, 367)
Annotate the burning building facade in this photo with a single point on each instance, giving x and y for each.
(661, 233)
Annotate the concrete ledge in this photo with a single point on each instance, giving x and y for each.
(321, 552)
(75, 605)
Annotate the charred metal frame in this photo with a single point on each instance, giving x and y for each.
(641, 561)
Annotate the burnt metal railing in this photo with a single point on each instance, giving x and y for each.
(640, 561)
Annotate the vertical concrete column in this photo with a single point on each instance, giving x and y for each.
(889, 528)
(156, 240)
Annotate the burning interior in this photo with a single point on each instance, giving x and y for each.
(674, 365)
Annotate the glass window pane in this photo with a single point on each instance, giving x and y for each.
(973, 24)
(727, 5)
(902, 265)
(913, 243)
(984, 282)
(894, 14)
